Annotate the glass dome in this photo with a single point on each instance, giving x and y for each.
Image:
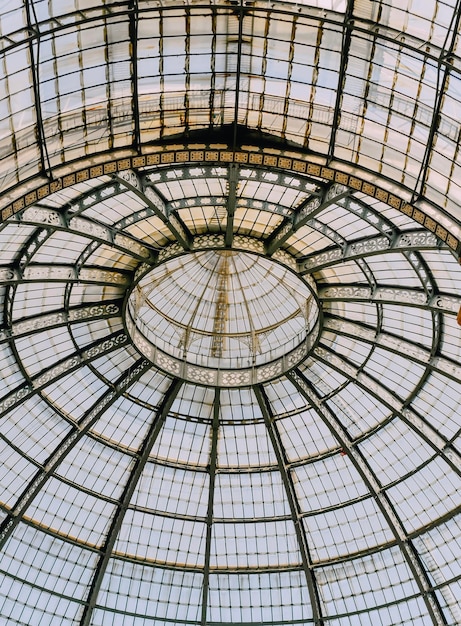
(229, 336)
(225, 311)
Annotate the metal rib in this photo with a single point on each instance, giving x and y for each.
(311, 207)
(389, 294)
(211, 492)
(66, 445)
(339, 432)
(119, 514)
(62, 368)
(368, 246)
(282, 461)
(396, 405)
(54, 319)
(392, 343)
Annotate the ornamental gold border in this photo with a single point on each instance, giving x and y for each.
(261, 158)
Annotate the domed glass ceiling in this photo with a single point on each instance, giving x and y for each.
(230, 355)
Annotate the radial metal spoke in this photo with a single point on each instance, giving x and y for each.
(68, 443)
(122, 507)
(210, 509)
(379, 495)
(314, 205)
(293, 502)
(231, 203)
(157, 204)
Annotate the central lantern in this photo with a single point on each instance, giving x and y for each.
(223, 317)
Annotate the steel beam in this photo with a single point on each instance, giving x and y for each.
(157, 204)
(254, 172)
(37, 239)
(429, 284)
(34, 52)
(211, 491)
(240, 11)
(41, 272)
(382, 500)
(96, 196)
(408, 349)
(133, 30)
(396, 405)
(366, 212)
(122, 507)
(368, 246)
(231, 203)
(404, 296)
(62, 368)
(345, 47)
(27, 326)
(443, 74)
(80, 429)
(55, 24)
(282, 461)
(311, 207)
(54, 220)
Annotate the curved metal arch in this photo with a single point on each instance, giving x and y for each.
(369, 246)
(63, 273)
(55, 319)
(52, 320)
(242, 202)
(54, 220)
(62, 368)
(85, 16)
(403, 296)
(230, 201)
(303, 10)
(288, 164)
(440, 444)
(381, 339)
(249, 172)
(429, 284)
(410, 554)
(86, 422)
